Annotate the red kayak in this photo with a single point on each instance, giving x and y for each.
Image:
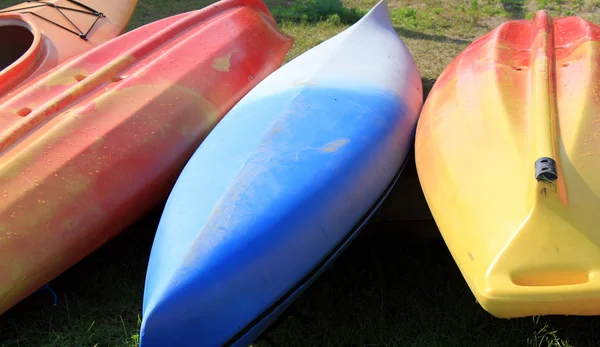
(95, 143)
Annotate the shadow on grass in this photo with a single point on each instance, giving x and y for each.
(418, 35)
(390, 287)
(313, 11)
(427, 85)
(516, 8)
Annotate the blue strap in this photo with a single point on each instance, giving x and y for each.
(51, 291)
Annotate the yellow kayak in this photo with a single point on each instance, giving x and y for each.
(508, 155)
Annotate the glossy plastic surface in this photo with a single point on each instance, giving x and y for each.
(279, 187)
(92, 146)
(527, 244)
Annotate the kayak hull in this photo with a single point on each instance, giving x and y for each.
(505, 152)
(42, 36)
(261, 323)
(280, 186)
(92, 146)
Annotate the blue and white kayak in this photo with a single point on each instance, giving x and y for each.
(280, 186)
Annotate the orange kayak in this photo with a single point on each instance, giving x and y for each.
(93, 145)
(35, 36)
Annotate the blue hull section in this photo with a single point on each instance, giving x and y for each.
(276, 186)
(261, 323)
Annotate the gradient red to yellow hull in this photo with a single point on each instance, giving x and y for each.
(526, 91)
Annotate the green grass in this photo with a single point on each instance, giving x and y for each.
(392, 287)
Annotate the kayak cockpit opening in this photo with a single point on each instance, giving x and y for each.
(15, 39)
